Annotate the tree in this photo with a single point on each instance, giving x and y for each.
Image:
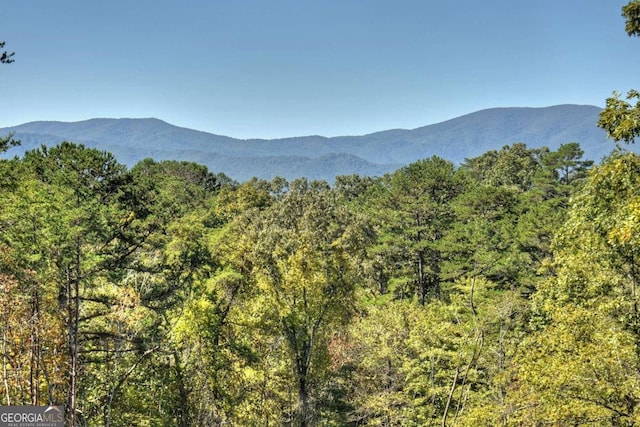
(481, 242)
(174, 276)
(412, 209)
(96, 227)
(566, 163)
(513, 166)
(303, 254)
(8, 142)
(351, 187)
(33, 346)
(446, 363)
(99, 268)
(631, 13)
(581, 363)
(621, 119)
(588, 321)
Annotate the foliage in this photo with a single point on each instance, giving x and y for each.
(303, 255)
(631, 13)
(587, 339)
(6, 57)
(172, 296)
(501, 292)
(621, 119)
(7, 142)
(412, 210)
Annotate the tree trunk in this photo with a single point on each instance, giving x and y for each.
(73, 313)
(450, 397)
(422, 282)
(303, 402)
(183, 408)
(35, 349)
(301, 349)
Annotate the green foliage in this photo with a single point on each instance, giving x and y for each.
(6, 57)
(352, 187)
(302, 252)
(587, 325)
(176, 297)
(8, 142)
(32, 347)
(504, 292)
(412, 211)
(631, 14)
(513, 166)
(620, 118)
(579, 364)
(482, 238)
(443, 363)
(565, 163)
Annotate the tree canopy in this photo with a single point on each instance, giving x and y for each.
(621, 115)
(504, 291)
(171, 295)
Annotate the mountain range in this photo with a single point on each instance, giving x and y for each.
(317, 157)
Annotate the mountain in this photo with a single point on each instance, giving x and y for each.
(317, 157)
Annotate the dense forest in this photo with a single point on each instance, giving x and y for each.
(499, 292)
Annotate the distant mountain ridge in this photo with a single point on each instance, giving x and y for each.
(317, 157)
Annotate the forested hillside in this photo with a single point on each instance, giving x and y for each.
(499, 292)
(320, 158)
(435, 295)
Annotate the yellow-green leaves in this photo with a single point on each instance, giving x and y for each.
(582, 363)
(631, 13)
(301, 253)
(620, 118)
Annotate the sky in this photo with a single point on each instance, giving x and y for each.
(281, 68)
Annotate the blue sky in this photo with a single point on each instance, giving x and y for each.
(280, 68)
